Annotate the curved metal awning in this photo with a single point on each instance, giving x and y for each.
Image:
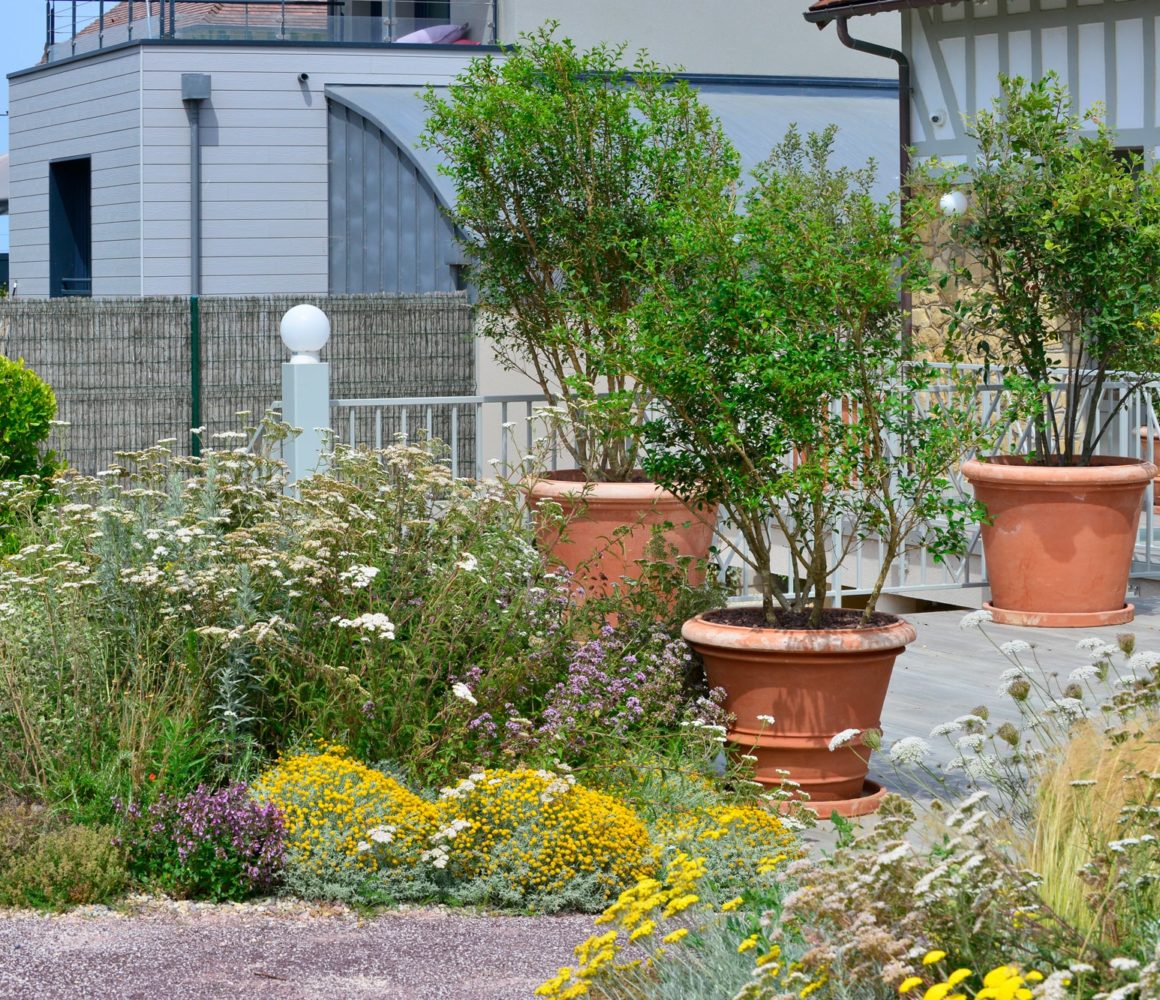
(755, 116)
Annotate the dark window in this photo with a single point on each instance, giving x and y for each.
(70, 228)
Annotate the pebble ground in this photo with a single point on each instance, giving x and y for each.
(150, 950)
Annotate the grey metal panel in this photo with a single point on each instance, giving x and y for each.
(386, 220)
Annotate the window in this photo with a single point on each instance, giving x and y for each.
(70, 228)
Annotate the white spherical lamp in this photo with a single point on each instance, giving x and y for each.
(305, 331)
(953, 203)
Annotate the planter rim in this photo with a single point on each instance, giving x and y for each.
(1012, 471)
(895, 635)
(553, 486)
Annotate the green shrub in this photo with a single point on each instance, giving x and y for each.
(26, 415)
(67, 867)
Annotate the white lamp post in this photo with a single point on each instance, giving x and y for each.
(305, 331)
(305, 390)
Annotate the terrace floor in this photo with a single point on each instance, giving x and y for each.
(947, 671)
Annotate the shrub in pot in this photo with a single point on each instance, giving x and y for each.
(1059, 286)
(564, 166)
(788, 396)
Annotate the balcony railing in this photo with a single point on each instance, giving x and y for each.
(74, 27)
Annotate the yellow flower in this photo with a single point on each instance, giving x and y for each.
(675, 936)
(747, 945)
(958, 976)
(644, 930)
(937, 992)
(732, 904)
(1034, 977)
(910, 984)
(933, 956)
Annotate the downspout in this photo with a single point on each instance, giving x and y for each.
(195, 89)
(904, 135)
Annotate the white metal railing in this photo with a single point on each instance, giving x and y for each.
(488, 435)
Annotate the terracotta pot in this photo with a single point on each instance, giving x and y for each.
(1060, 540)
(610, 525)
(814, 683)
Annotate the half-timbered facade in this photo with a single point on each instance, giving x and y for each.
(1104, 51)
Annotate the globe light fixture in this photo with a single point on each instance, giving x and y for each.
(953, 203)
(305, 331)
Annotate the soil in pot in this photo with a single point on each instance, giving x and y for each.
(608, 528)
(814, 684)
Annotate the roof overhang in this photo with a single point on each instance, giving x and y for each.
(825, 11)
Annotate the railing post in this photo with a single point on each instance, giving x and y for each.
(305, 391)
(195, 375)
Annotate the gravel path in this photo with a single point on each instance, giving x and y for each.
(182, 951)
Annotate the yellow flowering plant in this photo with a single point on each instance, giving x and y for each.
(344, 820)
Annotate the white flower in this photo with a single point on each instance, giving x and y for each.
(1015, 647)
(359, 577)
(1071, 709)
(975, 619)
(1144, 661)
(1090, 644)
(945, 729)
(374, 622)
(909, 750)
(1078, 967)
(842, 738)
(382, 834)
(1008, 678)
(468, 563)
(1121, 964)
(461, 690)
(767, 719)
(1080, 675)
(1082, 783)
(971, 743)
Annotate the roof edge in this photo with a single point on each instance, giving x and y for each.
(821, 16)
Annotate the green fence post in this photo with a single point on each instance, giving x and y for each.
(195, 375)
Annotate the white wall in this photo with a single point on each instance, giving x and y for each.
(758, 37)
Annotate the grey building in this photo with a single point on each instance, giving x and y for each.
(262, 146)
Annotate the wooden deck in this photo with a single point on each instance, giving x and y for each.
(948, 671)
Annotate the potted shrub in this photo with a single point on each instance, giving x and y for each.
(1063, 241)
(563, 165)
(788, 396)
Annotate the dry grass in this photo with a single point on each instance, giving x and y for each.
(1076, 820)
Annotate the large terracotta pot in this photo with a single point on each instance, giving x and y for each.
(609, 526)
(1060, 540)
(815, 684)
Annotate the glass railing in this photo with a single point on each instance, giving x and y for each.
(75, 27)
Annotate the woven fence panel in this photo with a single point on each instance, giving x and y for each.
(122, 369)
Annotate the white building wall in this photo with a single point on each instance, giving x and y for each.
(90, 108)
(264, 161)
(1105, 52)
(751, 37)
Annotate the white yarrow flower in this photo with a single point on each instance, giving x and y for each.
(359, 577)
(1081, 675)
(1121, 964)
(767, 719)
(1015, 647)
(468, 563)
(1142, 661)
(909, 750)
(1090, 644)
(975, 619)
(945, 729)
(461, 690)
(842, 738)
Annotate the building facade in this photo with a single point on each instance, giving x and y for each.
(1105, 51)
(228, 148)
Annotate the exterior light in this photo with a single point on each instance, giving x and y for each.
(953, 203)
(305, 331)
